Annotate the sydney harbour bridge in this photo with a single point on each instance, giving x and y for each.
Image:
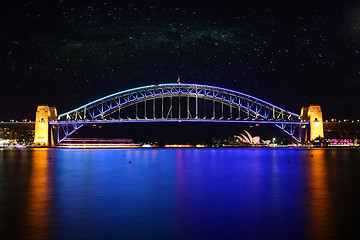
(174, 102)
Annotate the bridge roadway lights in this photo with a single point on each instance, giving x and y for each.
(44, 114)
(313, 115)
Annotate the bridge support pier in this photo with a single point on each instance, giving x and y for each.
(313, 115)
(44, 134)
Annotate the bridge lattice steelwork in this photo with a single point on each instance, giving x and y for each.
(178, 102)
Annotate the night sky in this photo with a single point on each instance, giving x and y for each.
(289, 53)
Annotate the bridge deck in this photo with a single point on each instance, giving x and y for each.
(175, 120)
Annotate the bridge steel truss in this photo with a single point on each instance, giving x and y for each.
(241, 108)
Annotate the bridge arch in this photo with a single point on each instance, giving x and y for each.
(249, 108)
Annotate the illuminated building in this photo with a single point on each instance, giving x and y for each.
(16, 133)
(44, 114)
(313, 115)
(247, 138)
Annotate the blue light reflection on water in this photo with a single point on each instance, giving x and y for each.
(236, 197)
(177, 193)
(168, 193)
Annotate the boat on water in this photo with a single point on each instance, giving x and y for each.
(98, 143)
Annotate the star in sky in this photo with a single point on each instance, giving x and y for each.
(288, 54)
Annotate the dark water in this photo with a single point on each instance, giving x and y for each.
(180, 194)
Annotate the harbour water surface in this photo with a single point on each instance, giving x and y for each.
(180, 194)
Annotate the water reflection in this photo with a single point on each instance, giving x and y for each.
(320, 198)
(24, 194)
(178, 194)
(37, 210)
